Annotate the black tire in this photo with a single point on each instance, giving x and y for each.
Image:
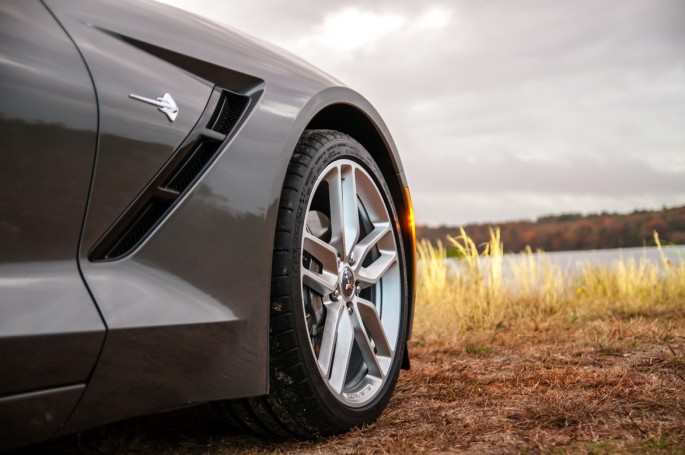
(313, 396)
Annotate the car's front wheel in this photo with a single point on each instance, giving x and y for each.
(339, 295)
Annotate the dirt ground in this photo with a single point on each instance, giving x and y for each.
(597, 387)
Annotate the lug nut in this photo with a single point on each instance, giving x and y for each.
(335, 295)
(357, 290)
(349, 310)
(351, 261)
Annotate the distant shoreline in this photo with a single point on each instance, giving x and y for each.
(576, 232)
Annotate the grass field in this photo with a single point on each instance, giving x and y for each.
(538, 360)
(536, 290)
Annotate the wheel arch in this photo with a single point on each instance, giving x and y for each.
(365, 126)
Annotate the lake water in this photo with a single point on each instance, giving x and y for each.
(571, 261)
(603, 258)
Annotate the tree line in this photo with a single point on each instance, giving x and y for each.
(574, 231)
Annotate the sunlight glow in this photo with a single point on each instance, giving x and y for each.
(435, 17)
(352, 28)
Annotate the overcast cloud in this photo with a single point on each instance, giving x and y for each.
(501, 109)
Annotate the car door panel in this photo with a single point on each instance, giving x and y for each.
(50, 330)
(48, 123)
(176, 333)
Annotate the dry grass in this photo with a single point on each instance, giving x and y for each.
(548, 389)
(488, 289)
(537, 361)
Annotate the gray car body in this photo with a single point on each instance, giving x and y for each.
(184, 317)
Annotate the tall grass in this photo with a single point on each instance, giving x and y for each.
(486, 288)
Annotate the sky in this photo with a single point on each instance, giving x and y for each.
(501, 109)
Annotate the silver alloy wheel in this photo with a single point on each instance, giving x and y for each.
(351, 285)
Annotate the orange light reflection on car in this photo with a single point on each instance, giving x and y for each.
(412, 226)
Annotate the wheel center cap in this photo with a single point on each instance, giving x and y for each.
(347, 283)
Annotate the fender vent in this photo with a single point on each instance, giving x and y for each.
(193, 165)
(223, 112)
(139, 227)
(231, 107)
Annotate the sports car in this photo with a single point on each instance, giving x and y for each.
(191, 215)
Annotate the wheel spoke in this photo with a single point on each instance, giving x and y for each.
(350, 211)
(376, 365)
(370, 275)
(368, 242)
(335, 201)
(343, 350)
(367, 191)
(334, 310)
(369, 314)
(322, 252)
(324, 283)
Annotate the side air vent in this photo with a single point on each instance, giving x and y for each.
(231, 107)
(143, 223)
(224, 111)
(193, 165)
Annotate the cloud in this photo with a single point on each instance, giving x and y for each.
(456, 209)
(434, 17)
(352, 28)
(496, 173)
(516, 105)
(357, 29)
